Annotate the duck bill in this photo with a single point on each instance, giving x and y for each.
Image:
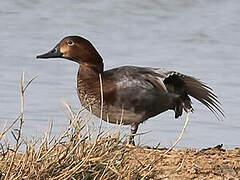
(54, 53)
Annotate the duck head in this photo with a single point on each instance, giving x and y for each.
(77, 49)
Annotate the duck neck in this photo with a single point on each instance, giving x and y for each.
(91, 61)
(93, 68)
(89, 72)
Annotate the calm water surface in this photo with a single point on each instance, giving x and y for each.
(199, 38)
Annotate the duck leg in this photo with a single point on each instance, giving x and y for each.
(134, 128)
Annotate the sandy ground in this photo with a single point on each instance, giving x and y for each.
(100, 161)
(212, 163)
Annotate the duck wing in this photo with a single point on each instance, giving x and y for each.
(137, 89)
(156, 90)
(188, 85)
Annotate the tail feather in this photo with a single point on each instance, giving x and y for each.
(204, 94)
(179, 84)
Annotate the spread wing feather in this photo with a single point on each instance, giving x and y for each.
(202, 93)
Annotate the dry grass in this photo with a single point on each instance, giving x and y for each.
(75, 155)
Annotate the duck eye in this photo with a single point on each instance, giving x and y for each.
(70, 43)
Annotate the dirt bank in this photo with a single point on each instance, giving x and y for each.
(212, 163)
(110, 159)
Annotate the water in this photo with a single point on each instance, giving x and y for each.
(199, 38)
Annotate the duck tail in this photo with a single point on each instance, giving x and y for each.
(204, 94)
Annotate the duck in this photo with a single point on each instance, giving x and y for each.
(130, 95)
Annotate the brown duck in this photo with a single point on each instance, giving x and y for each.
(131, 94)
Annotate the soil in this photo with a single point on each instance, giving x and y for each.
(212, 163)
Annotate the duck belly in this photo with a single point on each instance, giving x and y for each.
(114, 114)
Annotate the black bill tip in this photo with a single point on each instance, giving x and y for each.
(54, 53)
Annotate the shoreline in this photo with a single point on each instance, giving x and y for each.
(109, 158)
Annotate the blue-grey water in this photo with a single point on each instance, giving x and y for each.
(199, 38)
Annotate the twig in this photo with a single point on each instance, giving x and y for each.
(180, 136)
(21, 118)
(7, 129)
(101, 93)
(176, 142)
